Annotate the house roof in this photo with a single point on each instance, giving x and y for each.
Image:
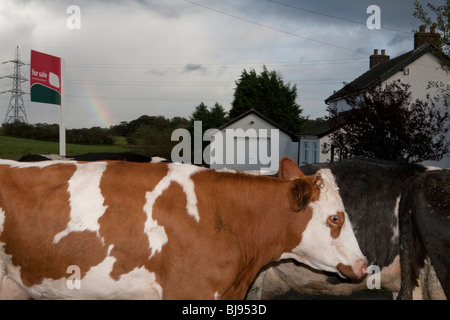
(385, 70)
(325, 127)
(319, 130)
(293, 136)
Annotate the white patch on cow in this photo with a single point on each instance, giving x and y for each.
(251, 172)
(429, 287)
(98, 284)
(158, 160)
(395, 229)
(2, 244)
(390, 275)
(2, 249)
(86, 200)
(38, 164)
(177, 173)
(317, 248)
(2, 220)
(432, 168)
(10, 290)
(7, 268)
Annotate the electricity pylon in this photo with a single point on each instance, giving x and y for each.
(16, 108)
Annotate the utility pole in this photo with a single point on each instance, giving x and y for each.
(16, 108)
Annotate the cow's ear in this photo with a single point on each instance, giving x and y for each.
(288, 169)
(300, 194)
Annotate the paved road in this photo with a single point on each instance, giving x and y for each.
(359, 295)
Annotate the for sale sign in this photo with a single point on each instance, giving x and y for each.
(45, 78)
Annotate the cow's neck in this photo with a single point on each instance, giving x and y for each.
(259, 216)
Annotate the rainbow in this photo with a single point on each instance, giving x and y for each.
(97, 105)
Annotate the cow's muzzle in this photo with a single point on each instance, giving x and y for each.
(356, 271)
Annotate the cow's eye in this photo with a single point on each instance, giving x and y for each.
(334, 219)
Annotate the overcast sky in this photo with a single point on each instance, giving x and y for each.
(136, 57)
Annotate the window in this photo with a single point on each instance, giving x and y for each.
(309, 151)
(306, 152)
(315, 152)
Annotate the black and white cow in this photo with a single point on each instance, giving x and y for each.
(425, 234)
(371, 191)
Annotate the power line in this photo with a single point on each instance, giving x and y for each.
(195, 84)
(155, 84)
(170, 99)
(234, 64)
(332, 16)
(276, 29)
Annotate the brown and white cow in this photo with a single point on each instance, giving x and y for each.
(165, 230)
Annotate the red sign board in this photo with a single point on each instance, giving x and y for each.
(45, 78)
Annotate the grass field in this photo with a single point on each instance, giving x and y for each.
(15, 148)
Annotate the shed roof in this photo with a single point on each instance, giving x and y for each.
(243, 115)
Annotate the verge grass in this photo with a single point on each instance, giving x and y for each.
(15, 148)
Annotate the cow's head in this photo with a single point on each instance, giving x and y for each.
(327, 242)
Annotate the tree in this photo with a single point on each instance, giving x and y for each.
(153, 133)
(441, 23)
(309, 123)
(383, 123)
(211, 119)
(119, 129)
(154, 141)
(268, 94)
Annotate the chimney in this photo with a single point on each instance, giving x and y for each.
(422, 37)
(378, 58)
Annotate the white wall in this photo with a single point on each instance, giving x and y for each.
(420, 73)
(258, 145)
(325, 157)
(311, 148)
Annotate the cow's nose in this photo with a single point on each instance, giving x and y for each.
(356, 271)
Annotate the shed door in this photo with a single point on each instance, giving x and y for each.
(246, 156)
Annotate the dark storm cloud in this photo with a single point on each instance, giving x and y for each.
(191, 67)
(145, 45)
(395, 15)
(162, 7)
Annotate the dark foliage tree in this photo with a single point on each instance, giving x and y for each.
(50, 132)
(383, 123)
(438, 17)
(211, 118)
(267, 93)
(94, 135)
(152, 134)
